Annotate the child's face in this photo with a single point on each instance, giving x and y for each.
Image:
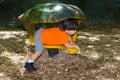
(70, 32)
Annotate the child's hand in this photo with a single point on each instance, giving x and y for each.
(72, 43)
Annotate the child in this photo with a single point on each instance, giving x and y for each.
(56, 36)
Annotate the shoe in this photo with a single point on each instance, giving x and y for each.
(29, 67)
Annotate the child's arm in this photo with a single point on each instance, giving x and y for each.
(72, 44)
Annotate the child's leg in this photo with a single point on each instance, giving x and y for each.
(35, 56)
(38, 46)
(38, 52)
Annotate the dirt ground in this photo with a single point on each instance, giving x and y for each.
(99, 58)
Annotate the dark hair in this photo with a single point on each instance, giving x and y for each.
(68, 24)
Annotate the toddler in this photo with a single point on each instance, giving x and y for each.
(60, 35)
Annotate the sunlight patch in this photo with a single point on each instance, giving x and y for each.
(90, 38)
(15, 58)
(89, 46)
(82, 37)
(92, 54)
(4, 77)
(95, 55)
(116, 40)
(108, 66)
(107, 45)
(86, 35)
(11, 34)
(94, 39)
(101, 77)
(1, 74)
(27, 41)
(117, 58)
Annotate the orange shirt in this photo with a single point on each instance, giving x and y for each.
(54, 36)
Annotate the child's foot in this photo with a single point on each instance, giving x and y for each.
(29, 67)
